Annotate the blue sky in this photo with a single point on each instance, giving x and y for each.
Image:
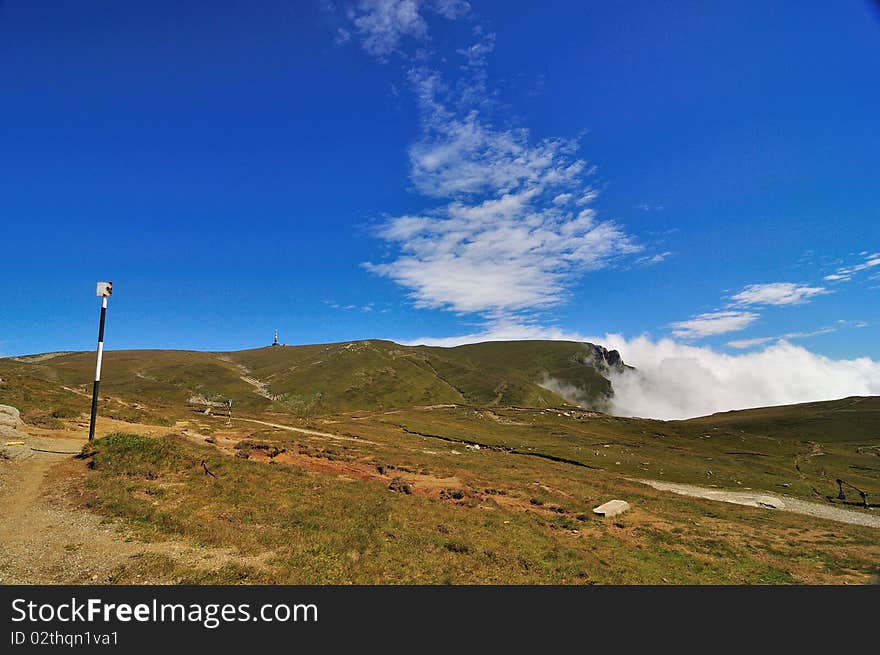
(704, 172)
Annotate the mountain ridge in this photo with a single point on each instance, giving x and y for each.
(370, 374)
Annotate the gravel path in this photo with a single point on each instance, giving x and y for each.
(769, 501)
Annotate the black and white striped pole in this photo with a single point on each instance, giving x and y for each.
(105, 290)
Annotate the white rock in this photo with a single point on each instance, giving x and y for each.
(611, 508)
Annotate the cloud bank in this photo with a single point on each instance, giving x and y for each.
(676, 381)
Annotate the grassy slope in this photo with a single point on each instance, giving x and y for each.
(847, 419)
(517, 519)
(778, 455)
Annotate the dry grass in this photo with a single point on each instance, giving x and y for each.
(327, 526)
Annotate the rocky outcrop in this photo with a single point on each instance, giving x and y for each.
(603, 360)
(10, 422)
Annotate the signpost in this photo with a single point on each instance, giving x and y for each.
(104, 291)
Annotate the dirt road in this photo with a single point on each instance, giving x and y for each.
(769, 501)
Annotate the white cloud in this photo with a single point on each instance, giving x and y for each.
(650, 260)
(713, 323)
(451, 9)
(855, 324)
(679, 381)
(498, 256)
(644, 206)
(505, 240)
(562, 198)
(383, 25)
(777, 293)
(476, 53)
(811, 333)
(742, 344)
(462, 155)
(675, 381)
(736, 317)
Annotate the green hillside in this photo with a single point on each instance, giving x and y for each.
(324, 378)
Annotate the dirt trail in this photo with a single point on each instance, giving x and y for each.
(44, 539)
(314, 433)
(768, 501)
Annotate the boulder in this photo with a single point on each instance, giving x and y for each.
(10, 421)
(10, 417)
(611, 508)
(400, 486)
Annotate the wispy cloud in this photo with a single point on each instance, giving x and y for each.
(741, 312)
(777, 293)
(384, 25)
(650, 260)
(855, 324)
(742, 344)
(476, 54)
(846, 273)
(648, 207)
(713, 323)
(460, 154)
